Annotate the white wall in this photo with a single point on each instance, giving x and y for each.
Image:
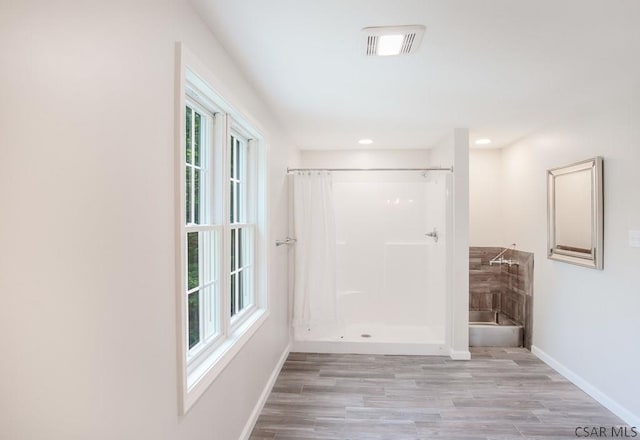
(87, 301)
(485, 202)
(365, 158)
(585, 319)
(453, 150)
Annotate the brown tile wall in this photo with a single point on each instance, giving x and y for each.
(484, 280)
(503, 288)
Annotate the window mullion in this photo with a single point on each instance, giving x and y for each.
(243, 180)
(206, 280)
(205, 206)
(237, 265)
(193, 162)
(241, 197)
(207, 217)
(233, 174)
(225, 260)
(201, 299)
(252, 189)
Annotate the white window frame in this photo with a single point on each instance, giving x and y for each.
(211, 335)
(198, 367)
(244, 215)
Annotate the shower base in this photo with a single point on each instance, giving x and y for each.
(372, 339)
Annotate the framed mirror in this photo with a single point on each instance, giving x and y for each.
(575, 213)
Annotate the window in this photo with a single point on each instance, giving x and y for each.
(241, 229)
(222, 262)
(202, 232)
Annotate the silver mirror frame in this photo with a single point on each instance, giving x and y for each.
(594, 258)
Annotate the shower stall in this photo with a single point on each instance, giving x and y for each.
(370, 264)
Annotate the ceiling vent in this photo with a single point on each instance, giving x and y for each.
(392, 40)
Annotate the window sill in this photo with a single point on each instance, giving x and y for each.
(204, 375)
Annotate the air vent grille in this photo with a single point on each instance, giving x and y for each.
(372, 44)
(411, 38)
(407, 44)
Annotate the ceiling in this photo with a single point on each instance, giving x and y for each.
(502, 68)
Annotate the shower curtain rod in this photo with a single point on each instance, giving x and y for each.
(449, 169)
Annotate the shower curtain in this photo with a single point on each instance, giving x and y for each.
(314, 298)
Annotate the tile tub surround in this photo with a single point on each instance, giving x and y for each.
(485, 282)
(501, 393)
(502, 288)
(516, 300)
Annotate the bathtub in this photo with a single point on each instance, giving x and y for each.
(493, 329)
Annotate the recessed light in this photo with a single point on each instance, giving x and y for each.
(483, 141)
(389, 45)
(365, 141)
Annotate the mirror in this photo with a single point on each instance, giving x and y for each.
(575, 213)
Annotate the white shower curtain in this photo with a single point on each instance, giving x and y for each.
(314, 301)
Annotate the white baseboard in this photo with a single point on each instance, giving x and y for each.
(459, 355)
(246, 432)
(606, 401)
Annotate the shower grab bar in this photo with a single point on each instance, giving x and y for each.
(287, 241)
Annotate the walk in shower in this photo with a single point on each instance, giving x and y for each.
(370, 260)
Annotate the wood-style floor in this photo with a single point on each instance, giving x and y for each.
(499, 394)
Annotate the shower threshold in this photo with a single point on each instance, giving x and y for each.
(362, 347)
(373, 339)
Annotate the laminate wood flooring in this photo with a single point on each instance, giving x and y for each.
(499, 394)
